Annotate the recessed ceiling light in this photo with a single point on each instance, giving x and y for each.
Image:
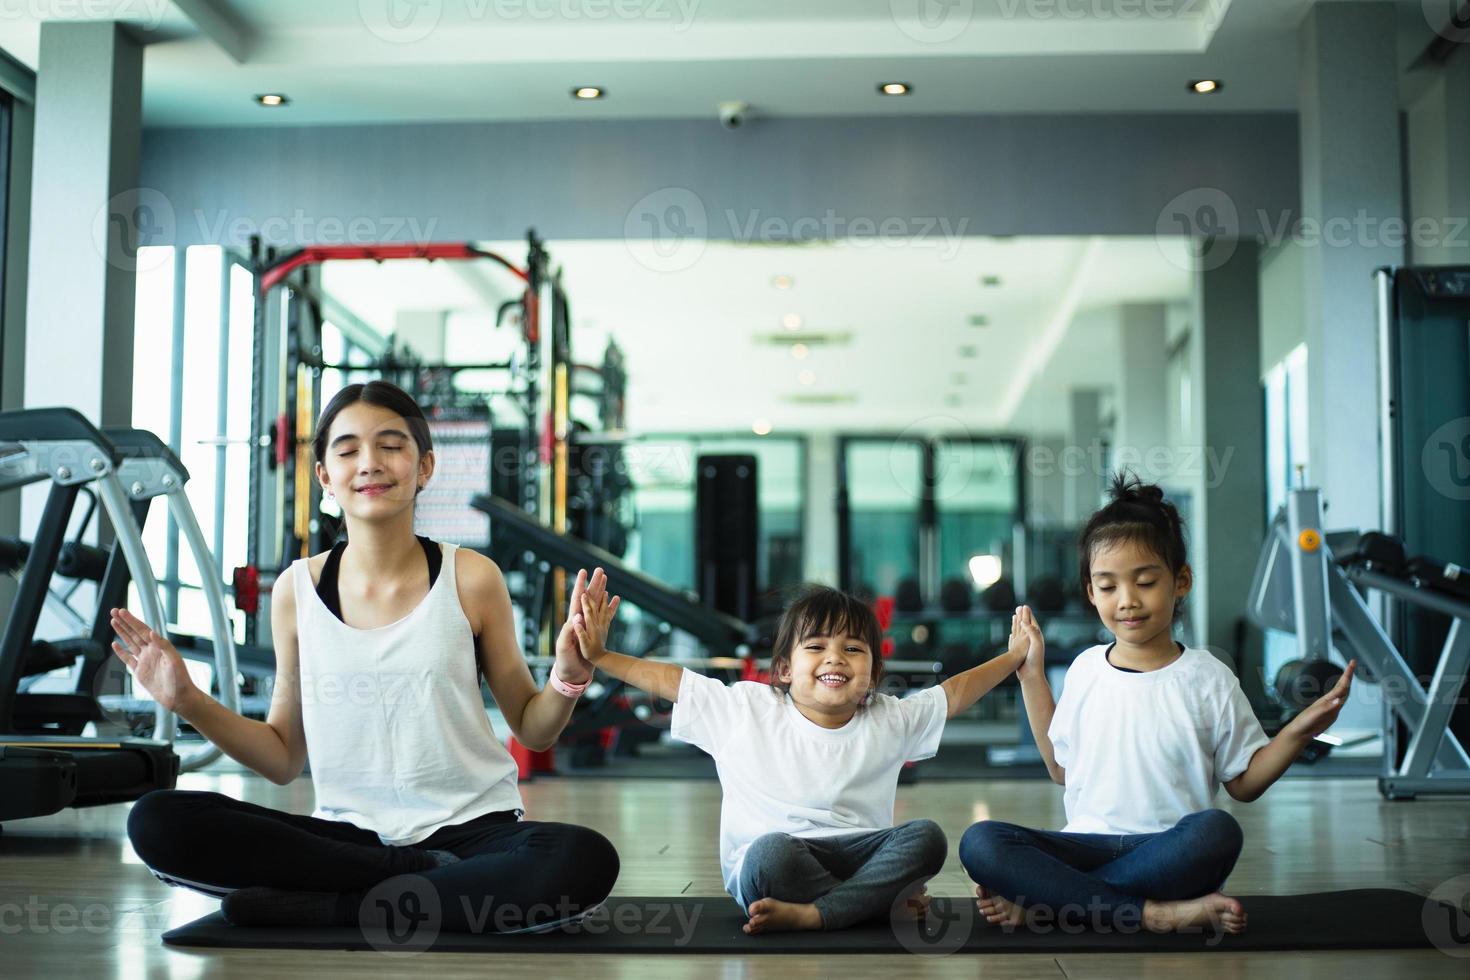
(894, 88)
(587, 92)
(1205, 86)
(979, 320)
(990, 280)
(783, 282)
(807, 377)
(272, 99)
(791, 321)
(799, 351)
(761, 427)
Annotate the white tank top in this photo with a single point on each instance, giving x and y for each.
(396, 731)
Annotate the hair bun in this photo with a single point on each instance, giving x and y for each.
(1128, 488)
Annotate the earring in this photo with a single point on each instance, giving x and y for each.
(331, 495)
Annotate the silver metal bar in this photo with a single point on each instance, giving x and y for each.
(1388, 468)
(1308, 574)
(1444, 692)
(225, 671)
(115, 502)
(1372, 645)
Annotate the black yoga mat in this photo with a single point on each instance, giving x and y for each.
(1363, 919)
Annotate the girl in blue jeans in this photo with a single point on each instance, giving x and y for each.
(1144, 735)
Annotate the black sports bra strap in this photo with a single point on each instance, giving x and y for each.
(331, 594)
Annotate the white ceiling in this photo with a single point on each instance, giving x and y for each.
(693, 337)
(358, 61)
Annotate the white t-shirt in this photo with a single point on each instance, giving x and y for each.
(781, 773)
(1144, 750)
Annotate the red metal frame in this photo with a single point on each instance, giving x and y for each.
(317, 254)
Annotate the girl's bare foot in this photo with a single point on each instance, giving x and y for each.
(998, 911)
(774, 915)
(1213, 909)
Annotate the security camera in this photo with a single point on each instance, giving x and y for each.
(734, 115)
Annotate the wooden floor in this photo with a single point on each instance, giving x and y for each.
(74, 900)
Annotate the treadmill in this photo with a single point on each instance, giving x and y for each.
(42, 773)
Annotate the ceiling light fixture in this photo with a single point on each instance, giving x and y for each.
(1206, 86)
(894, 88)
(587, 93)
(272, 99)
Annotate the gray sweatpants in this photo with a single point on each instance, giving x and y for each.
(850, 878)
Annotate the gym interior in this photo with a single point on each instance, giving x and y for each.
(725, 297)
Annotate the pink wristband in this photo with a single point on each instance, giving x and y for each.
(563, 688)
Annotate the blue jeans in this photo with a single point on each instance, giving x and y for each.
(1112, 874)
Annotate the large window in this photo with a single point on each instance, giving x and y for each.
(192, 337)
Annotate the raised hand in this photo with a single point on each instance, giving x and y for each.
(597, 616)
(1027, 642)
(1323, 712)
(154, 661)
(571, 666)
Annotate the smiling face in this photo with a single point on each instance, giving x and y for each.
(1134, 591)
(827, 655)
(372, 463)
(829, 674)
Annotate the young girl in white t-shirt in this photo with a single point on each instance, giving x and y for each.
(809, 764)
(1144, 735)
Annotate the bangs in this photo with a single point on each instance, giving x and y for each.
(828, 613)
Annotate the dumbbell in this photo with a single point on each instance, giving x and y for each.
(1299, 683)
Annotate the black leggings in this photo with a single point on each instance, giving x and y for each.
(511, 874)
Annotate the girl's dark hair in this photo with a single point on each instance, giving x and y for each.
(384, 394)
(821, 611)
(1137, 513)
